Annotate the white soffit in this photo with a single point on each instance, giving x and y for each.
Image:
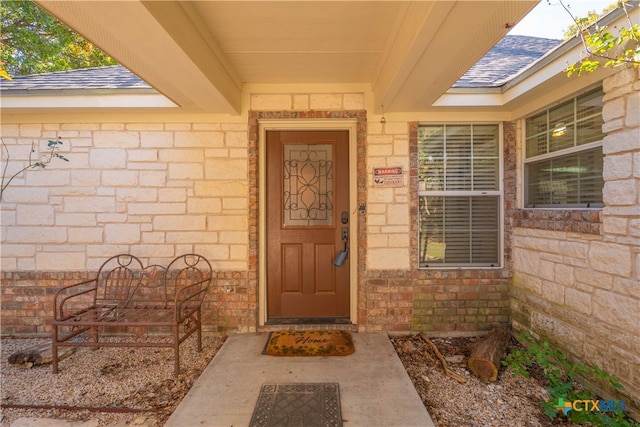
(202, 54)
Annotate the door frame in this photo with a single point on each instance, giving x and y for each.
(350, 125)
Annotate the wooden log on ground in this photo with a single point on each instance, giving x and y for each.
(486, 355)
(38, 355)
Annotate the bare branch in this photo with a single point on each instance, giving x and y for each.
(52, 146)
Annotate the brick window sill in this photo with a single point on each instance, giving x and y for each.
(587, 221)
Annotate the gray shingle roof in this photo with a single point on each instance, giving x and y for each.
(505, 60)
(113, 77)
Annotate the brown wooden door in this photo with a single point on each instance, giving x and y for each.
(307, 202)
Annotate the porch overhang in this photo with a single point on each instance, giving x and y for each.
(201, 55)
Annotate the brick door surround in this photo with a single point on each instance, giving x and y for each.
(339, 118)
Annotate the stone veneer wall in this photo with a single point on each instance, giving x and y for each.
(577, 281)
(156, 190)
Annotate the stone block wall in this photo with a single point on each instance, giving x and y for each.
(388, 208)
(577, 274)
(155, 190)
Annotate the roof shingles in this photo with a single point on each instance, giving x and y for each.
(112, 77)
(508, 58)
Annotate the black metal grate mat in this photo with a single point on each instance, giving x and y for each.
(298, 405)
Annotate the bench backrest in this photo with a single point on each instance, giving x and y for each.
(117, 279)
(122, 281)
(190, 276)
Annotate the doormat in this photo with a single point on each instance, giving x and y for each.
(309, 343)
(303, 405)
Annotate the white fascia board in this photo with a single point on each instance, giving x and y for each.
(83, 101)
(480, 98)
(552, 69)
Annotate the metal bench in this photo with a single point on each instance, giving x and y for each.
(163, 305)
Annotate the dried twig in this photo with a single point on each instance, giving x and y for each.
(52, 146)
(447, 371)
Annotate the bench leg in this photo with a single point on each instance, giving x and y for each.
(54, 349)
(176, 350)
(199, 319)
(95, 336)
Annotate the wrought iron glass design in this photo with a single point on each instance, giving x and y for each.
(308, 184)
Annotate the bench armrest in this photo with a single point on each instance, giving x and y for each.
(74, 299)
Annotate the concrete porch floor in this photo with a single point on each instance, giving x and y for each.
(375, 390)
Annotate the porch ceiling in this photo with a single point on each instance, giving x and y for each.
(202, 54)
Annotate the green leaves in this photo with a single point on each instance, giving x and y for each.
(32, 42)
(560, 375)
(604, 47)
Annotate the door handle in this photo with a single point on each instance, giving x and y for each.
(342, 255)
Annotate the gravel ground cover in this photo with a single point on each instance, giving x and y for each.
(130, 378)
(142, 379)
(511, 401)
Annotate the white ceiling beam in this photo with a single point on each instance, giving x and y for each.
(449, 41)
(128, 32)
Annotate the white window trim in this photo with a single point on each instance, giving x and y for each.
(563, 152)
(500, 193)
(523, 160)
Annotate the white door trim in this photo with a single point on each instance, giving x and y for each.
(350, 125)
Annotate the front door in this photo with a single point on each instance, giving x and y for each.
(307, 211)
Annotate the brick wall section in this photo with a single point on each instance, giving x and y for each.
(388, 304)
(452, 301)
(579, 221)
(27, 301)
(510, 183)
(462, 302)
(230, 307)
(439, 302)
(579, 287)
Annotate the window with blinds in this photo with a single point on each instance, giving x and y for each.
(563, 162)
(459, 195)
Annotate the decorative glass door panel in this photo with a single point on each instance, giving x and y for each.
(308, 185)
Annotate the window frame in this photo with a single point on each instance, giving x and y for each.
(499, 193)
(575, 149)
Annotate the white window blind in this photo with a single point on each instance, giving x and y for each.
(459, 195)
(563, 164)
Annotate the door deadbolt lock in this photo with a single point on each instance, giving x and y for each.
(344, 217)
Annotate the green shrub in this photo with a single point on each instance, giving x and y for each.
(560, 375)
